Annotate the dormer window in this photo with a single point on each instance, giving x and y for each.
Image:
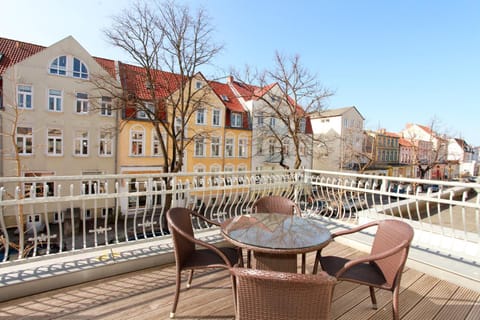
(59, 66)
(224, 97)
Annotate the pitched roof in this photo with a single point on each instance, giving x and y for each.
(13, 51)
(334, 112)
(226, 94)
(405, 142)
(133, 79)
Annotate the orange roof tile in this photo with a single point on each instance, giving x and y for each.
(13, 51)
(133, 79)
(231, 101)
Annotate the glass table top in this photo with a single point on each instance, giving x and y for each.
(276, 231)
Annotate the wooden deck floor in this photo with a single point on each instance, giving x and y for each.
(148, 294)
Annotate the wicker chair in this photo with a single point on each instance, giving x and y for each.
(265, 295)
(382, 268)
(188, 256)
(276, 204)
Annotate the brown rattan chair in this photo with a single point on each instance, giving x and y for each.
(188, 256)
(382, 268)
(276, 204)
(265, 295)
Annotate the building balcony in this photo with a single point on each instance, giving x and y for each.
(99, 248)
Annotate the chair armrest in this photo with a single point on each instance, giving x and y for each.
(372, 257)
(198, 215)
(205, 245)
(356, 229)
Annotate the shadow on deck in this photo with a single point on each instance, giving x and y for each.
(148, 294)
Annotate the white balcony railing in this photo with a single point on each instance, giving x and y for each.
(78, 213)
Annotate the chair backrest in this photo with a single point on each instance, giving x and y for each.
(276, 204)
(179, 221)
(392, 233)
(265, 295)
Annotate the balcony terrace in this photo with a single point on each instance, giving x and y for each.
(110, 230)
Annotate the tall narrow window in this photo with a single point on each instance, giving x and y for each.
(271, 147)
(79, 69)
(200, 116)
(156, 147)
(216, 117)
(180, 129)
(24, 140)
(24, 97)
(106, 106)
(242, 147)
(106, 144)
(272, 122)
(81, 143)
(55, 100)
(229, 147)
(54, 142)
(82, 103)
(215, 147)
(236, 120)
(199, 147)
(136, 142)
(59, 66)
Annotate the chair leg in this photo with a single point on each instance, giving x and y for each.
(395, 307)
(317, 261)
(190, 277)
(372, 296)
(177, 294)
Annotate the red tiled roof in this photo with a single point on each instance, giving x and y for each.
(107, 64)
(224, 90)
(404, 142)
(133, 79)
(13, 51)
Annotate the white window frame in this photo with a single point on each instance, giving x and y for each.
(201, 116)
(81, 103)
(142, 114)
(216, 116)
(55, 100)
(26, 139)
(57, 68)
(105, 143)
(216, 147)
(236, 120)
(82, 72)
(199, 147)
(242, 147)
(81, 143)
(54, 141)
(137, 141)
(156, 149)
(273, 122)
(229, 147)
(106, 106)
(25, 96)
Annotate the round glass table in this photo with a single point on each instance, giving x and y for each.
(276, 239)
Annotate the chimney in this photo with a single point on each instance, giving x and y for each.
(230, 79)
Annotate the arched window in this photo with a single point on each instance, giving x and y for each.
(79, 69)
(59, 66)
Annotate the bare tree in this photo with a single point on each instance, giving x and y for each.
(169, 44)
(287, 93)
(429, 146)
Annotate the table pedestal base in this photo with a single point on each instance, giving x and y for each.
(276, 262)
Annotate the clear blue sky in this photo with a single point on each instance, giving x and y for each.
(396, 61)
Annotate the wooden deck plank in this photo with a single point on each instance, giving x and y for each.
(458, 306)
(430, 304)
(363, 310)
(148, 294)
